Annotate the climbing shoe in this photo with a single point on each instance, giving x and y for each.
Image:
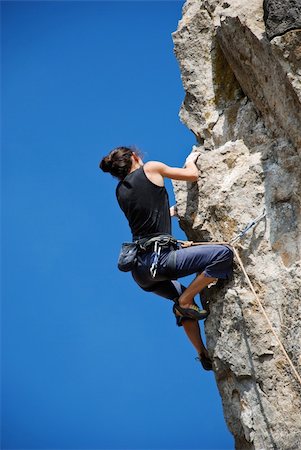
(179, 319)
(205, 361)
(193, 312)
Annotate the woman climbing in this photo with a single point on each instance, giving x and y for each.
(160, 262)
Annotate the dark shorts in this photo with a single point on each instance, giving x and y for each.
(214, 260)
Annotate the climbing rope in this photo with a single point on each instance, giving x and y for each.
(266, 316)
(231, 244)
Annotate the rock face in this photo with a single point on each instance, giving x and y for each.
(281, 16)
(243, 103)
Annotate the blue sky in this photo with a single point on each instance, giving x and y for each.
(89, 361)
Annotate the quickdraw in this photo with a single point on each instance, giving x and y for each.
(248, 228)
(154, 267)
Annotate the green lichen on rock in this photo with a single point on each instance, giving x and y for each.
(226, 87)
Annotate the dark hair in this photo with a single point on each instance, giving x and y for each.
(118, 162)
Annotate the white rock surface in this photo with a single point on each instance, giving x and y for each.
(243, 105)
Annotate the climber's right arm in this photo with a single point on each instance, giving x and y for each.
(156, 170)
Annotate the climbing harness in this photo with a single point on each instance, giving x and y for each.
(160, 242)
(129, 251)
(231, 244)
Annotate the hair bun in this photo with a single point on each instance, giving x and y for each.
(106, 164)
(118, 162)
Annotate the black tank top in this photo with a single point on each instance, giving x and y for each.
(145, 205)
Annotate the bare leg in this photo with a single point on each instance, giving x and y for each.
(197, 285)
(193, 332)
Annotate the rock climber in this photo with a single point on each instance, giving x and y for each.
(160, 261)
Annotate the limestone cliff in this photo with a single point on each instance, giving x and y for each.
(240, 64)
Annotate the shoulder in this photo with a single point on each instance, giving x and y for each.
(153, 171)
(153, 166)
(156, 167)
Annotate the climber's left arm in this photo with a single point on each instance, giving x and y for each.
(173, 211)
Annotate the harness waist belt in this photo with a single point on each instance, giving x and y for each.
(162, 240)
